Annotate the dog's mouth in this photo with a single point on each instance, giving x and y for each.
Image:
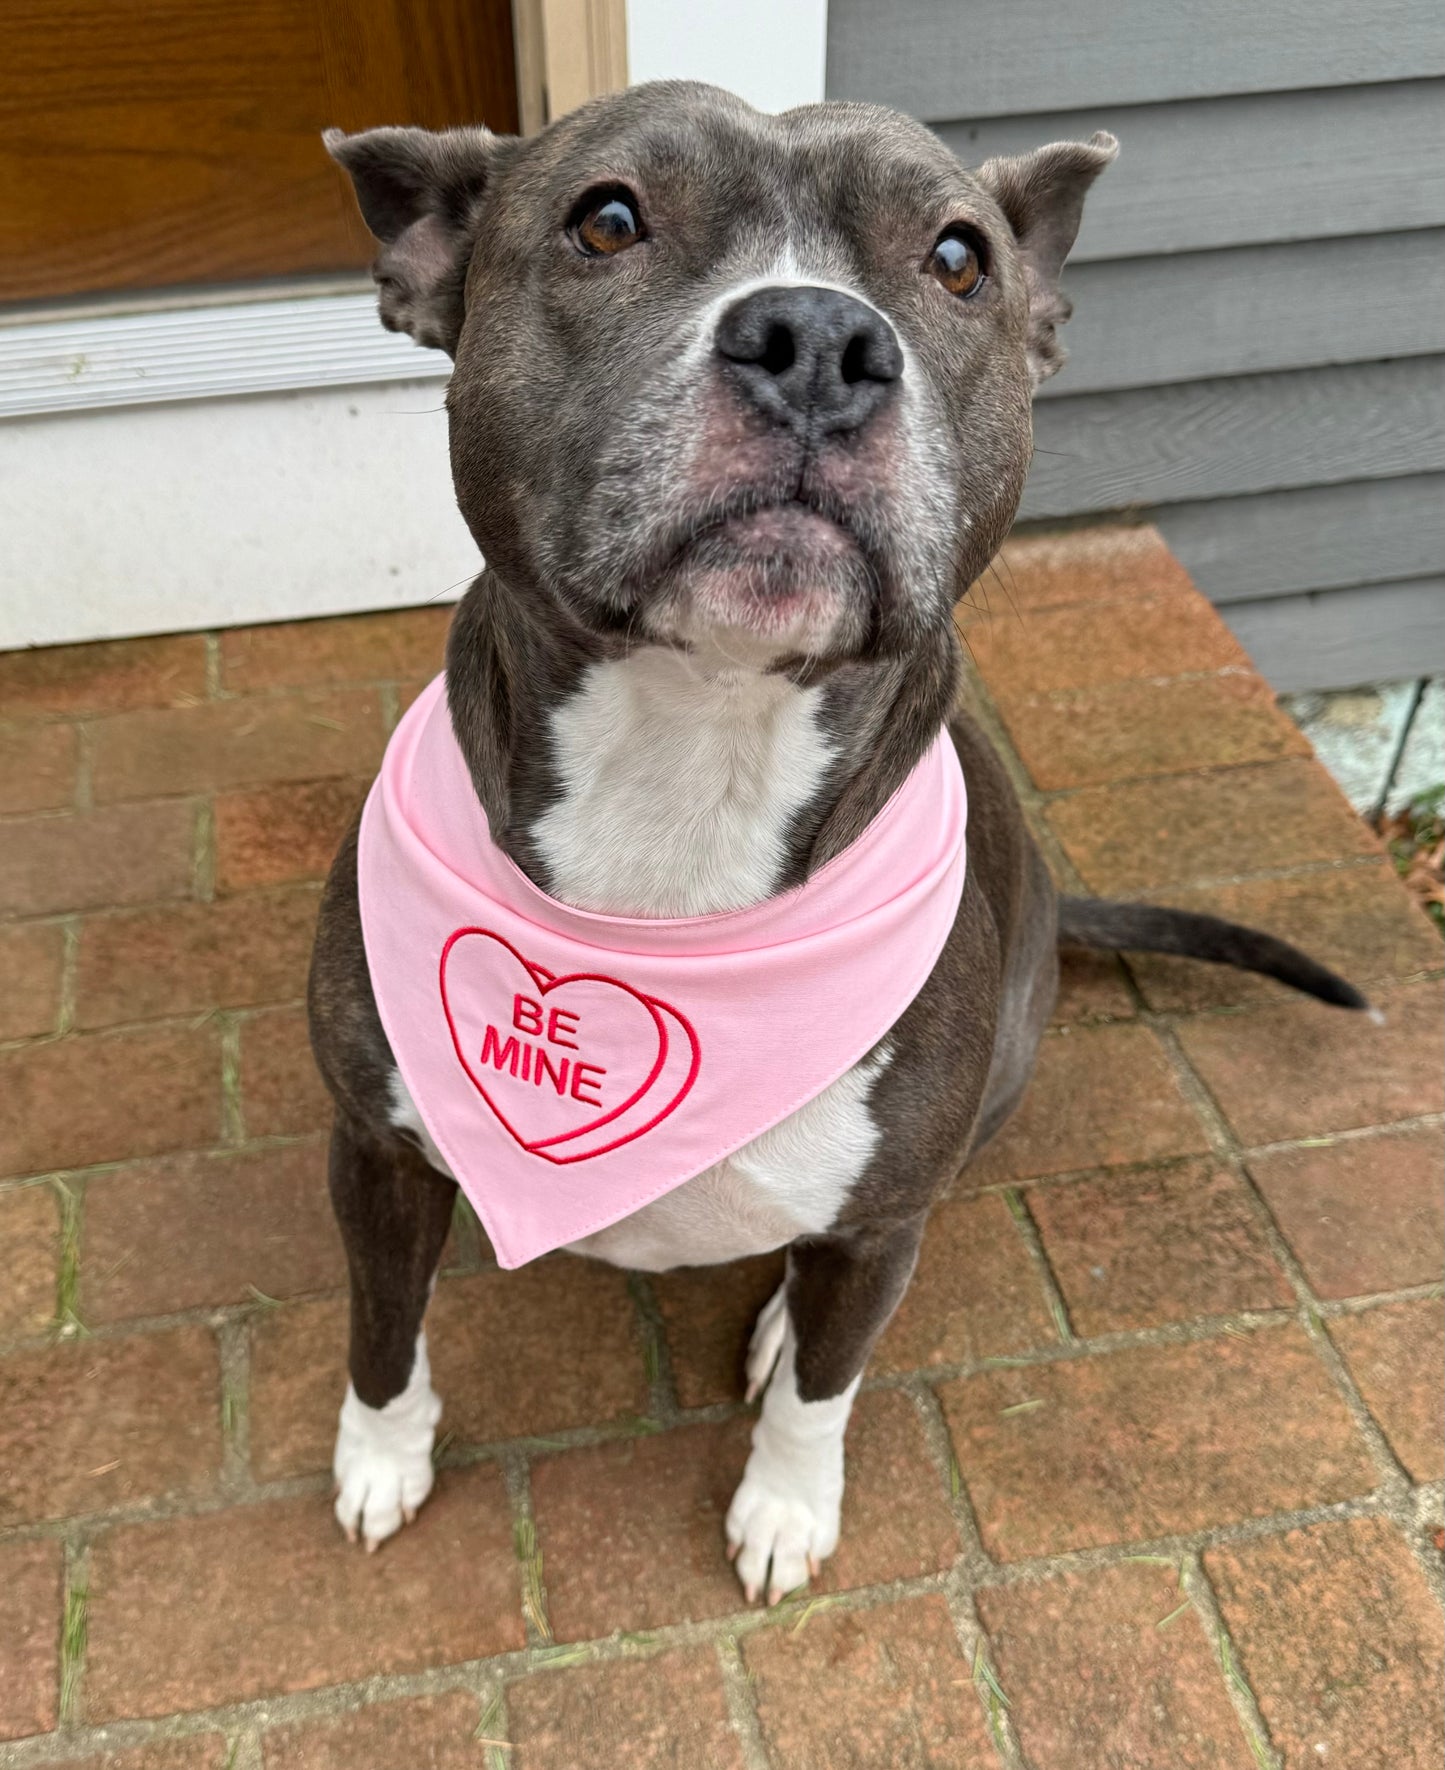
(794, 530)
(790, 571)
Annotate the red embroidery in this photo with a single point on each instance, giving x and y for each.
(582, 1074)
(555, 1073)
(499, 1055)
(527, 1017)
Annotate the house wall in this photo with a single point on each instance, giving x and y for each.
(770, 52)
(1258, 347)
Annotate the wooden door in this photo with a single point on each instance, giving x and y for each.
(150, 143)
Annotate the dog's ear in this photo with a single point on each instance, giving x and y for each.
(1042, 195)
(417, 192)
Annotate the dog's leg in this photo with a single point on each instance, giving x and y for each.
(765, 1347)
(394, 1211)
(820, 1329)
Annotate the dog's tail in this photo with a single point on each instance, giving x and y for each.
(1149, 928)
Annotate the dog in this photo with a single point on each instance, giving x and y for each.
(740, 409)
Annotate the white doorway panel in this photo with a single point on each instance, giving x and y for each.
(149, 519)
(773, 53)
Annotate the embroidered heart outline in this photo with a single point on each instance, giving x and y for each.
(545, 982)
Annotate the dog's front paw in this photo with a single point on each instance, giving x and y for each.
(383, 1463)
(783, 1522)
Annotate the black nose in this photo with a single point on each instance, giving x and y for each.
(811, 358)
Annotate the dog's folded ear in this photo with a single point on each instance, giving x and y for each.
(1042, 195)
(418, 192)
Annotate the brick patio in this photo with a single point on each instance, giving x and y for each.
(1148, 1470)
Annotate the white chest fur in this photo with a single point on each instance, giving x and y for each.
(680, 777)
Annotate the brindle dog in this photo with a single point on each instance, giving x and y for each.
(741, 407)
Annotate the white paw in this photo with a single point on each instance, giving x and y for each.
(383, 1463)
(783, 1522)
(767, 1341)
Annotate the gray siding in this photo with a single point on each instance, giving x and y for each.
(1257, 356)
(1200, 314)
(1317, 538)
(945, 59)
(1320, 638)
(1225, 438)
(1245, 171)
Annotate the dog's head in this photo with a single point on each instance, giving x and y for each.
(720, 374)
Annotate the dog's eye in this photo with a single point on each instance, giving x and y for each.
(960, 261)
(606, 222)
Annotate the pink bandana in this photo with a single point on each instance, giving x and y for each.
(573, 1067)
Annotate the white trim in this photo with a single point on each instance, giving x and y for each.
(206, 349)
(211, 513)
(773, 53)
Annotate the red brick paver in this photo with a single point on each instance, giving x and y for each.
(1129, 839)
(513, 1354)
(238, 953)
(1341, 1639)
(1301, 1068)
(281, 1093)
(278, 835)
(1112, 1667)
(1140, 1338)
(37, 767)
(120, 854)
(31, 1577)
(104, 678)
(1354, 919)
(658, 1714)
(1396, 1354)
(241, 743)
(975, 1293)
(98, 1423)
(658, 1502)
(1090, 566)
(1152, 1442)
(1092, 986)
(708, 1313)
(192, 1230)
(1100, 1096)
(1361, 1213)
(354, 648)
(193, 1751)
(569, 1330)
(427, 1733)
(1168, 1244)
(298, 1377)
(29, 1260)
(31, 957)
(1087, 737)
(106, 1096)
(1087, 646)
(848, 1691)
(287, 1607)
